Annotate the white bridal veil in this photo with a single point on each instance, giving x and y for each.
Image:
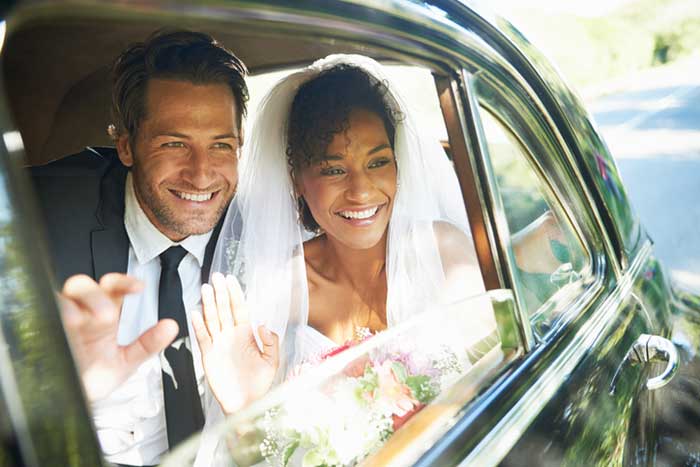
(261, 239)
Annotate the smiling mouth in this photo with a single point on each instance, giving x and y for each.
(196, 197)
(360, 215)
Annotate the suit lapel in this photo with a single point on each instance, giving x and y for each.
(110, 243)
(209, 252)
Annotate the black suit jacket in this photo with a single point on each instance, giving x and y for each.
(82, 200)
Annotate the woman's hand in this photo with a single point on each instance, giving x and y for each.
(237, 371)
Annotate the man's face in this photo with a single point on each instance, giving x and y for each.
(184, 159)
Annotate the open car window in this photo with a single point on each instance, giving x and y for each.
(392, 396)
(384, 400)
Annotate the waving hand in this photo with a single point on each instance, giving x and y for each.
(238, 372)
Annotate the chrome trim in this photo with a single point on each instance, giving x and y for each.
(650, 348)
(500, 242)
(501, 439)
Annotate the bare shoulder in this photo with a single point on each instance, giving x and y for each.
(459, 260)
(453, 242)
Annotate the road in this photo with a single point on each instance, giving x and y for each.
(652, 127)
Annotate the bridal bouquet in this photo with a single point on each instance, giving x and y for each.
(352, 415)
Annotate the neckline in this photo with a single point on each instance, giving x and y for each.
(319, 334)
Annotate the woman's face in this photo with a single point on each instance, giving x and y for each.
(351, 191)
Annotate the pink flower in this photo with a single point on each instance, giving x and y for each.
(336, 350)
(399, 421)
(392, 393)
(357, 367)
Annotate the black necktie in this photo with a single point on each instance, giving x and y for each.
(183, 409)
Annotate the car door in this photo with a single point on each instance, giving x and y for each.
(585, 402)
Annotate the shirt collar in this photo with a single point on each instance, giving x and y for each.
(147, 241)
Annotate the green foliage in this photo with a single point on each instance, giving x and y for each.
(368, 383)
(289, 451)
(422, 388)
(675, 43)
(637, 36)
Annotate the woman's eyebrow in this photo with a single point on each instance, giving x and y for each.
(332, 157)
(381, 147)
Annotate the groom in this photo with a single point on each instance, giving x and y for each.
(143, 218)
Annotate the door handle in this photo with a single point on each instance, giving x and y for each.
(649, 348)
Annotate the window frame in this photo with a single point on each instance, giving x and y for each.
(556, 170)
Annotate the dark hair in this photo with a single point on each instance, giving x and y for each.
(321, 109)
(180, 55)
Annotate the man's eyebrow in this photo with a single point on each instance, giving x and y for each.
(174, 134)
(226, 136)
(381, 147)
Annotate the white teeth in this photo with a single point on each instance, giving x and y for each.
(193, 197)
(367, 213)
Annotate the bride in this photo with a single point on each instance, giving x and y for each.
(347, 221)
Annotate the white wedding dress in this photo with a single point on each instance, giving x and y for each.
(310, 345)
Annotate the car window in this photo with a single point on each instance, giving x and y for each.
(389, 397)
(548, 253)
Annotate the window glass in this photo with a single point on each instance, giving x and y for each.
(549, 256)
(383, 401)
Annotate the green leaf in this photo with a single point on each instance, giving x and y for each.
(399, 371)
(289, 451)
(422, 387)
(368, 382)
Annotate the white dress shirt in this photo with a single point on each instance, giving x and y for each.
(130, 422)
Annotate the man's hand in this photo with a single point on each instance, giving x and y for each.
(238, 372)
(90, 313)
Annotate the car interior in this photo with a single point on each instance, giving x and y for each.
(57, 74)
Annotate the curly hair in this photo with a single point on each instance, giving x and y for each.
(321, 109)
(181, 55)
